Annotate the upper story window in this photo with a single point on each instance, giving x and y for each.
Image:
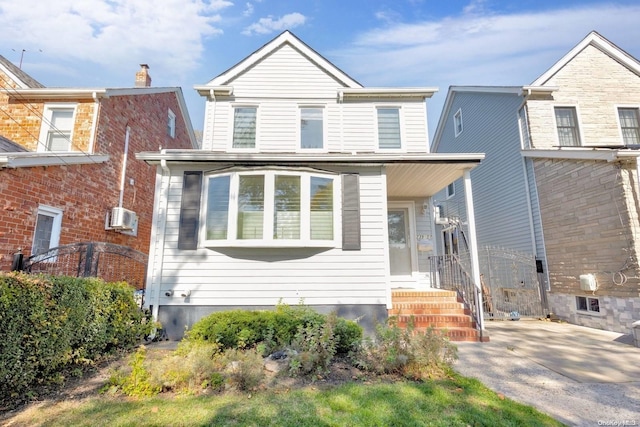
(629, 125)
(57, 127)
(312, 128)
(171, 124)
(451, 190)
(244, 127)
(389, 128)
(457, 122)
(567, 124)
(47, 232)
(270, 208)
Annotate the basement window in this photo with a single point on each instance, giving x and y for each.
(588, 304)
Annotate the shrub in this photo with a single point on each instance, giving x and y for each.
(407, 352)
(274, 329)
(136, 380)
(244, 368)
(53, 323)
(315, 345)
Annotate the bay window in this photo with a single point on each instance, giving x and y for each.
(270, 208)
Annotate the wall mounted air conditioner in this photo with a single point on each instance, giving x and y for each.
(439, 214)
(122, 219)
(588, 282)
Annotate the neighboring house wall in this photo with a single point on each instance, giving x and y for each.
(490, 126)
(596, 85)
(85, 193)
(591, 228)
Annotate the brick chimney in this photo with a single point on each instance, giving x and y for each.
(143, 79)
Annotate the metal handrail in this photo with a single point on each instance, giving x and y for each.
(448, 273)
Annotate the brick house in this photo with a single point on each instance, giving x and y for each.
(560, 180)
(67, 159)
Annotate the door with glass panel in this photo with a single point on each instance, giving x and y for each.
(402, 256)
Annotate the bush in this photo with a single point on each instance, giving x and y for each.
(315, 347)
(274, 329)
(53, 323)
(413, 354)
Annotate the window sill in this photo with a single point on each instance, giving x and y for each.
(590, 313)
(270, 244)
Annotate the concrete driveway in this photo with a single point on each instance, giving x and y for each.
(580, 376)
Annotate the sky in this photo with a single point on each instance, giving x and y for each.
(379, 43)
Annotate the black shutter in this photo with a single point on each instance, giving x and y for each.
(351, 212)
(190, 210)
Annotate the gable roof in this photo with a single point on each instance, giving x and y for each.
(448, 103)
(20, 77)
(284, 38)
(596, 40)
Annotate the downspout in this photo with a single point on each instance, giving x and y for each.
(125, 156)
(473, 247)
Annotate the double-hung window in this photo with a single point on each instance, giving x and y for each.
(389, 129)
(312, 128)
(567, 124)
(47, 231)
(171, 123)
(457, 122)
(271, 208)
(57, 127)
(629, 125)
(244, 127)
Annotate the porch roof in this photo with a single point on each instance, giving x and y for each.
(408, 174)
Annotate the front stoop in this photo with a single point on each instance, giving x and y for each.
(438, 308)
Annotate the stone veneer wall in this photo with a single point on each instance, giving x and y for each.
(616, 314)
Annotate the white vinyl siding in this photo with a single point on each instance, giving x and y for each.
(259, 276)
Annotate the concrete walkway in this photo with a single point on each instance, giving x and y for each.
(580, 376)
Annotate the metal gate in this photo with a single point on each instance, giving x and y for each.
(108, 261)
(510, 282)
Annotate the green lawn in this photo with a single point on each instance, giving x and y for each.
(457, 401)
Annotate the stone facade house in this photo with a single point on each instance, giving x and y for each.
(67, 160)
(560, 179)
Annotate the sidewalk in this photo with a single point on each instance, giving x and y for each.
(580, 376)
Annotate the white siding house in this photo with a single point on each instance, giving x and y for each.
(560, 181)
(308, 187)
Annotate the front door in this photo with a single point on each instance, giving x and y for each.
(402, 251)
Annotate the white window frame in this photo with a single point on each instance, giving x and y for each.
(268, 241)
(299, 130)
(617, 112)
(401, 124)
(457, 122)
(232, 123)
(56, 227)
(171, 123)
(452, 192)
(47, 117)
(578, 125)
(588, 311)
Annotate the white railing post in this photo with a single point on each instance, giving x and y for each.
(473, 245)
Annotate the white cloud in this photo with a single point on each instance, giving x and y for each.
(168, 34)
(248, 10)
(480, 48)
(269, 25)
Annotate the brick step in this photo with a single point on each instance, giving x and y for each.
(428, 304)
(425, 299)
(421, 294)
(436, 321)
(408, 311)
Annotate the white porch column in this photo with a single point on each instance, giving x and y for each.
(473, 244)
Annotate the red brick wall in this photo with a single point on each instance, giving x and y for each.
(86, 193)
